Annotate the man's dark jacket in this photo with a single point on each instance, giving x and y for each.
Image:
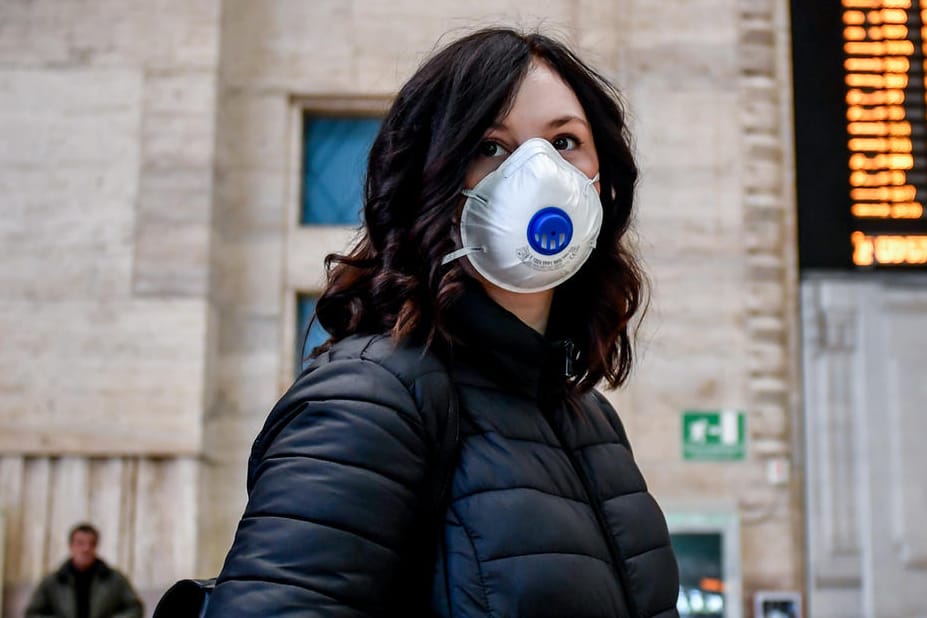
(111, 595)
(548, 515)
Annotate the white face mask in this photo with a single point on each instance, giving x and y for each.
(532, 223)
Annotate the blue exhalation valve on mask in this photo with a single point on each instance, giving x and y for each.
(550, 231)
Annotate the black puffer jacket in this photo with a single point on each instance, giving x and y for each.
(548, 515)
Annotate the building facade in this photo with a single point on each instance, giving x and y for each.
(155, 257)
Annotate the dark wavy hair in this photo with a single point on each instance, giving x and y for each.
(392, 280)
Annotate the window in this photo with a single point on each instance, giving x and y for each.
(335, 153)
(305, 311)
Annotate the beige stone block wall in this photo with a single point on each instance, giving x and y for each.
(107, 112)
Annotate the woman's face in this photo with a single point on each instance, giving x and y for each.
(545, 107)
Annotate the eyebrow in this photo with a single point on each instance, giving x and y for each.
(553, 124)
(562, 120)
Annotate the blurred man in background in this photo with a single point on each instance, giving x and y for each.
(84, 586)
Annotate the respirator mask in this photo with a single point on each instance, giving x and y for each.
(532, 223)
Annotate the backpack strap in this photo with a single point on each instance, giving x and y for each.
(188, 598)
(447, 452)
(446, 466)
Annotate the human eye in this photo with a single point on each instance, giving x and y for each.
(492, 149)
(565, 142)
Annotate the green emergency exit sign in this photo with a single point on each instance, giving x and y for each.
(714, 435)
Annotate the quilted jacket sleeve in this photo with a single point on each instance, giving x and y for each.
(332, 500)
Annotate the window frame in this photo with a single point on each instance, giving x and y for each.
(306, 245)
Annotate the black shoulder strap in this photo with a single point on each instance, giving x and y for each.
(447, 451)
(446, 464)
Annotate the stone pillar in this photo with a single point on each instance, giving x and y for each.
(864, 342)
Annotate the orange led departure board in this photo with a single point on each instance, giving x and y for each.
(861, 132)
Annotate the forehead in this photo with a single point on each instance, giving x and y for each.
(543, 95)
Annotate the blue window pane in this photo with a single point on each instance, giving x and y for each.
(335, 160)
(305, 311)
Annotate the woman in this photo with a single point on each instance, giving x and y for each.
(491, 289)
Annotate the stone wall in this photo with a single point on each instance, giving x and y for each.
(107, 112)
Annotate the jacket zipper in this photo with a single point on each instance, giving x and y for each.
(613, 550)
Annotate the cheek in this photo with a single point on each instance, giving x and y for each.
(584, 160)
(589, 165)
(472, 178)
(478, 170)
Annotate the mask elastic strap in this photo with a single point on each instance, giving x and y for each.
(473, 194)
(459, 253)
(594, 179)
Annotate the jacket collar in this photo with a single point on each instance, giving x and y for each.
(99, 569)
(506, 350)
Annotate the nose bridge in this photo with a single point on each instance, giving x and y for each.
(526, 151)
